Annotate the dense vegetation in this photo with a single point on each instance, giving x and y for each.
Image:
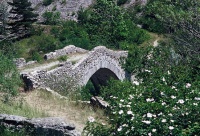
(164, 98)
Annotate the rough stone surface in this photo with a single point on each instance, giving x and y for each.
(21, 62)
(99, 58)
(39, 126)
(65, 51)
(99, 101)
(69, 8)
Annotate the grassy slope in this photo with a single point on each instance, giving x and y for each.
(40, 103)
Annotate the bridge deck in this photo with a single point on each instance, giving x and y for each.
(74, 58)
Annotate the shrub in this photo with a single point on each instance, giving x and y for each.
(164, 99)
(51, 18)
(140, 110)
(121, 2)
(47, 2)
(63, 58)
(9, 79)
(72, 33)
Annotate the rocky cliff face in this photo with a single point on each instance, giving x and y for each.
(69, 8)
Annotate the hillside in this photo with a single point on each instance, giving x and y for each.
(113, 68)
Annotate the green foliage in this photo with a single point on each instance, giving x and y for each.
(47, 2)
(140, 110)
(104, 23)
(72, 33)
(86, 92)
(164, 98)
(63, 58)
(121, 2)
(9, 80)
(51, 18)
(180, 19)
(8, 132)
(108, 24)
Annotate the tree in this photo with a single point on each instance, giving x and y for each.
(178, 18)
(3, 19)
(105, 22)
(21, 18)
(51, 18)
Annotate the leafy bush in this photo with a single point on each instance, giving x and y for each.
(63, 58)
(140, 110)
(7, 132)
(45, 43)
(51, 18)
(121, 2)
(9, 79)
(164, 99)
(72, 33)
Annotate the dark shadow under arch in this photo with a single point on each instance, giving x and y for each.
(101, 77)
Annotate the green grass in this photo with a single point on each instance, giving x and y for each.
(20, 108)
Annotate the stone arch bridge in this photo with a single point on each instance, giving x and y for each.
(97, 65)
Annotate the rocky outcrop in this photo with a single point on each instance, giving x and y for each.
(69, 8)
(51, 126)
(99, 101)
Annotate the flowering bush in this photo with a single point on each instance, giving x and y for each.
(152, 111)
(165, 101)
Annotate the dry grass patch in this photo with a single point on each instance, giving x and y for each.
(72, 112)
(18, 106)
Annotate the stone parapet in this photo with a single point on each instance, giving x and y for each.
(65, 51)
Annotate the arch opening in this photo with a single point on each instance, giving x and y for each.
(101, 78)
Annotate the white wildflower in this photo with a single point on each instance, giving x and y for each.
(195, 104)
(171, 127)
(181, 101)
(121, 111)
(129, 112)
(163, 79)
(149, 115)
(188, 85)
(172, 120)
(146, 70)
(149, 134)
(154, 130)
(121, 100)
(197, 98)
(91, 119)
(170, 114)
(173, 97)
(163, 103)
(124, 125)
(146, 122)
(163, 120)
(132, 118)
(168, 72)
(128, 106)
(160, 113)
(119, 129)
(162, 93)
(136, 83)
(149, 99)
(131, 96)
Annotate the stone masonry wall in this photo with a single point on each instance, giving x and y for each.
(65, 51)
(99, 57)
